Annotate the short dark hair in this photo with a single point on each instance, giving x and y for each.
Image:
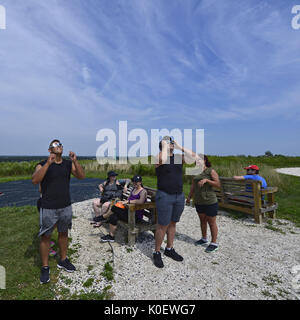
(55, 140)
(164, 138)
(256, 171)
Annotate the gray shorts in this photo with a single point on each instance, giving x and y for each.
(169, 207)
(51, 217)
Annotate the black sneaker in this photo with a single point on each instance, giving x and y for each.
(44, 277)
(173, 254)
(211, 248)
(67, 265)
(107, 238)
(157, 260)
(200, 242)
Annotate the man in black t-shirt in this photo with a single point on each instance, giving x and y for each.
(169, 197)
(54, 175)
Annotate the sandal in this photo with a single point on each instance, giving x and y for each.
(97, 224)
(52, 244)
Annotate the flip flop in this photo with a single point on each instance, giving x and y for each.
(97, 224)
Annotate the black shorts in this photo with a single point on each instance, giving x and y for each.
(210, 210)
(120, 214)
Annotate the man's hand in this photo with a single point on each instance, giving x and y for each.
(177, 146)
(51, 158)
(72, 156)
(202, 182)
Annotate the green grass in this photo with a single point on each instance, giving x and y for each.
(19, 254)
(108, 272)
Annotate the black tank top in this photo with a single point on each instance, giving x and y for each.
(56, 185)
(169, 176)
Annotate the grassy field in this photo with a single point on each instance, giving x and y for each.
(19, 255)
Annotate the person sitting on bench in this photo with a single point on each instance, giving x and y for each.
(111, 188)
(138, 195)
(252, 174)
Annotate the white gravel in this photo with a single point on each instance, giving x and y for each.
(290, 171)
(252, 262)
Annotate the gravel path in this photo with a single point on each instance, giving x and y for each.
(290, 171)
(253, 262)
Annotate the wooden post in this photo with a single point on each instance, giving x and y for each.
(256, 185)
(131, 225)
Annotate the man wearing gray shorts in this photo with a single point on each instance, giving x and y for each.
(54, 176)
(169, 197)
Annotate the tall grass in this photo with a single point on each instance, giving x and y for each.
(226, 166)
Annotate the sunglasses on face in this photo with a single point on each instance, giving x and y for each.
(55, 144)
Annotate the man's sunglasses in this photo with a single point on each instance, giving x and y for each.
(55, 144)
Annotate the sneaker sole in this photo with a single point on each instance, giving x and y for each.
(174, 259)
(44, 282)
(107, 240)
(201, 244)
(212, 250)
(61, 267)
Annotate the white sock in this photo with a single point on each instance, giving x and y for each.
(204, 239)
(168, 248)
(214, 244)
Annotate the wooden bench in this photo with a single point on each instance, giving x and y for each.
(149, 221)
(247, 196)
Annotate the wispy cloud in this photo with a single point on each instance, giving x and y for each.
(72, 68)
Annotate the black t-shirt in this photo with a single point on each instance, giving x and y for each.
(169, 176)
(56, 185)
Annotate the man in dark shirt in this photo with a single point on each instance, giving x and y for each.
(169, 196)
(54, 175)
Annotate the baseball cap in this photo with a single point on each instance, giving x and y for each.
(111, 174)
(137, 179)
(252, 166)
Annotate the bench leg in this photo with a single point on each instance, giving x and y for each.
(258, 217)
(131, 228)
(271, 201)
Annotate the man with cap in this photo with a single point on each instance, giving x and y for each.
(252, 174)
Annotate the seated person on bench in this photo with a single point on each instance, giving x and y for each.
(252, 174)
(138, 195)
(110, 189)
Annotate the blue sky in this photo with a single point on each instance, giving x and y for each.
(71, 68)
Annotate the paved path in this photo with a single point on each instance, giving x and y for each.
(290, 171)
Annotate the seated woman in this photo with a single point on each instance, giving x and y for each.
(110, 189)
(138, 195)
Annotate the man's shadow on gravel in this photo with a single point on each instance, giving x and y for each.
(147, 237)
